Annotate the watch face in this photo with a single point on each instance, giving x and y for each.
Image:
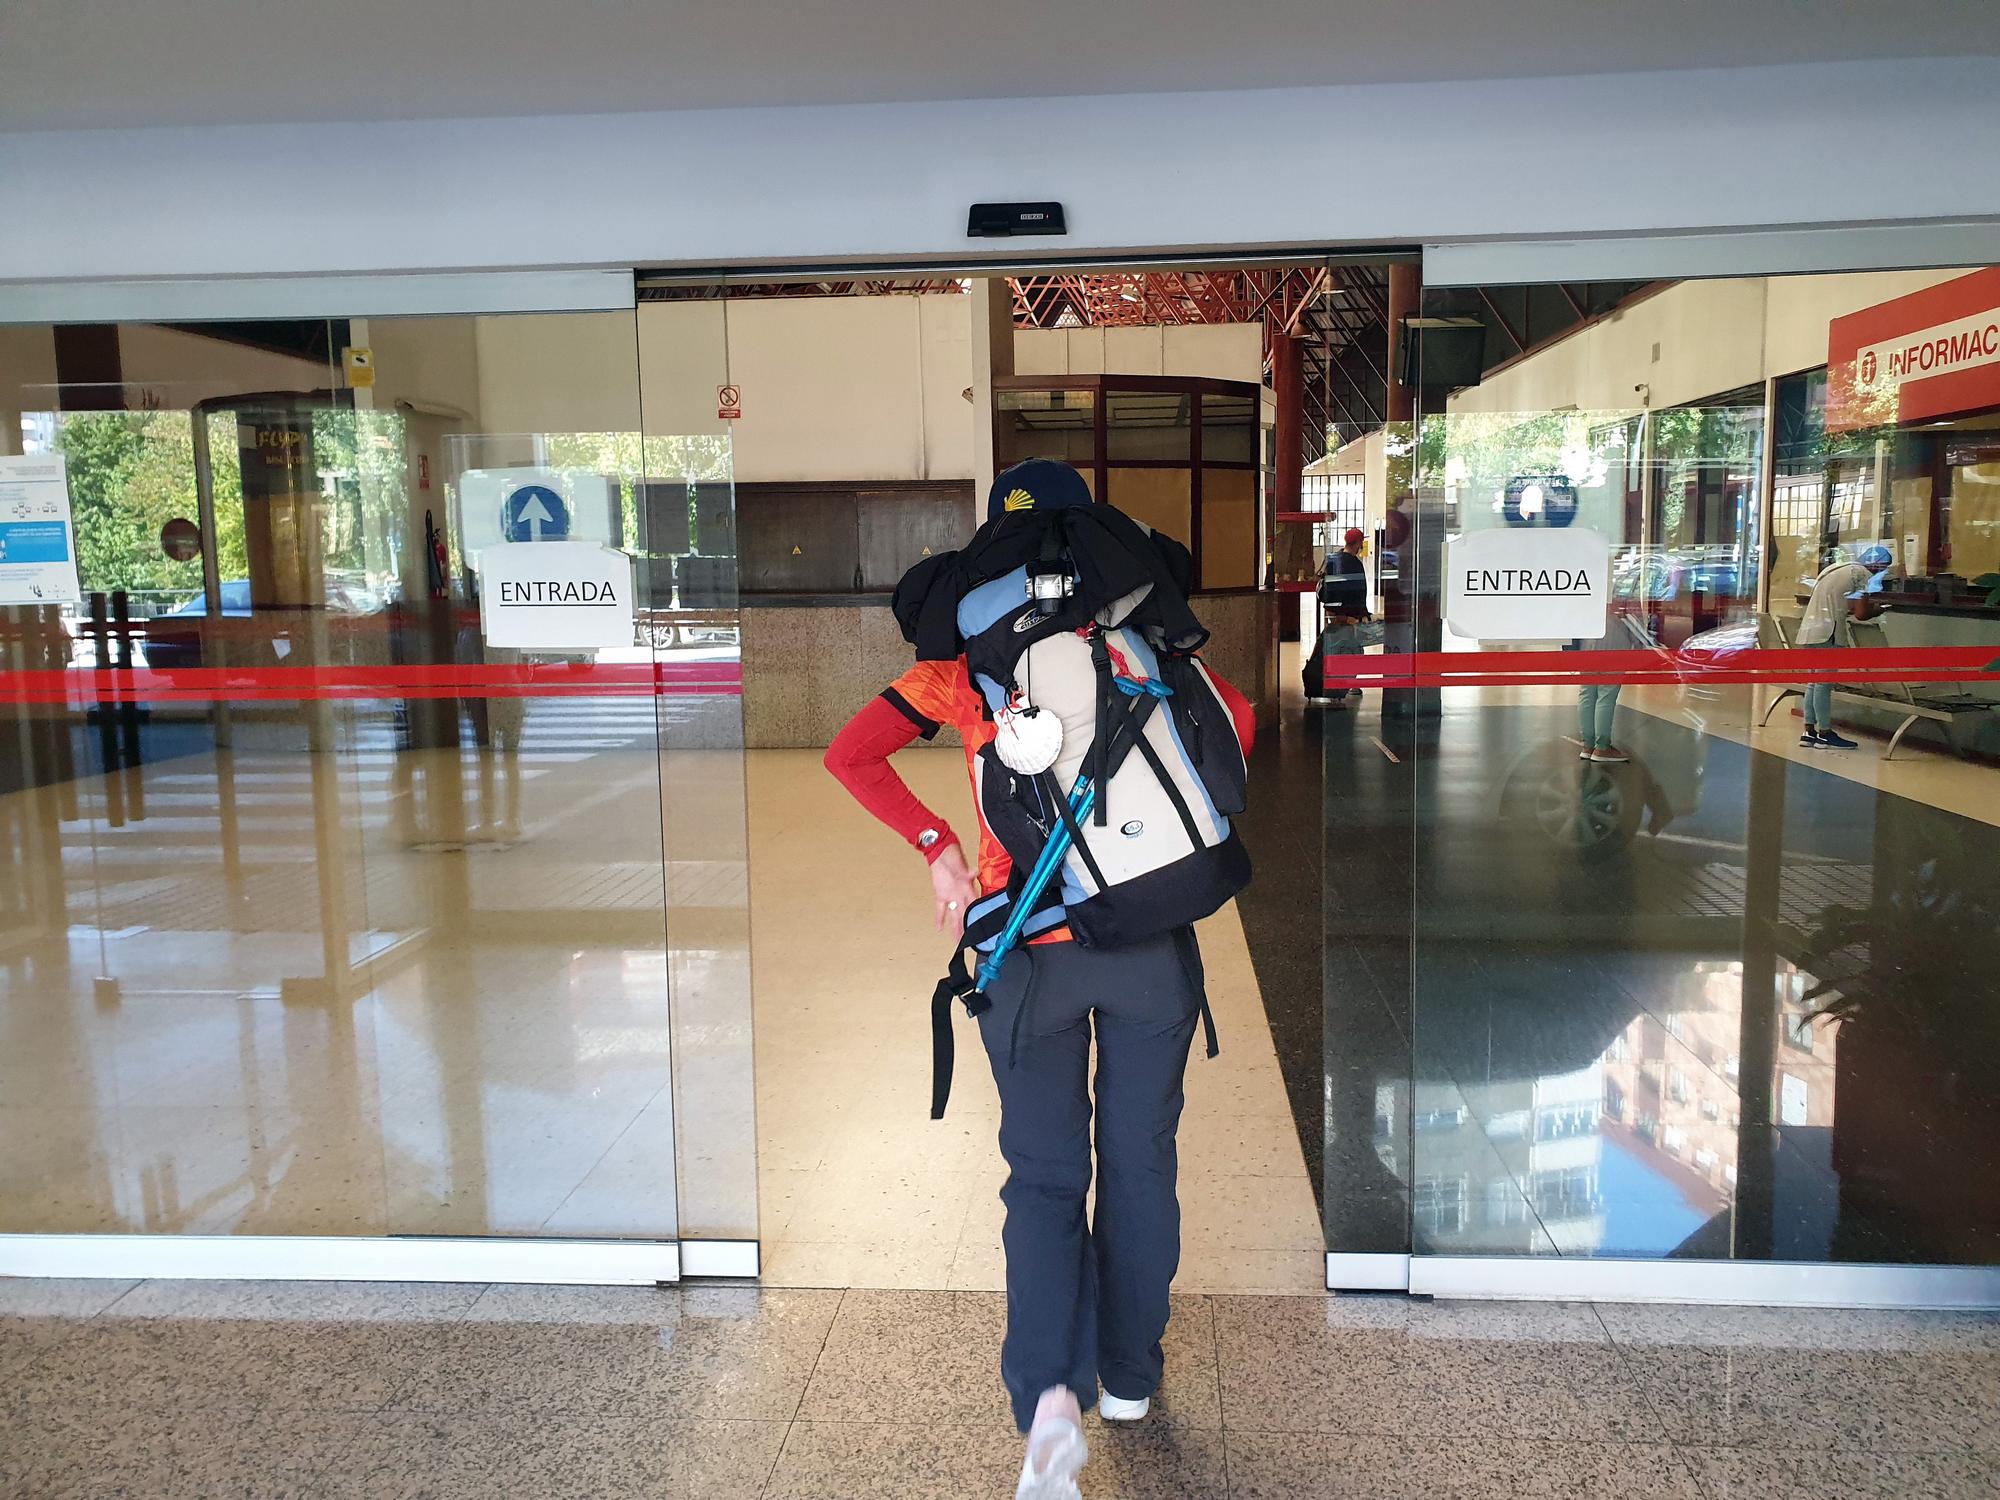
(927, 839)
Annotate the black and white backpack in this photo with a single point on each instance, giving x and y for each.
(1076, 634)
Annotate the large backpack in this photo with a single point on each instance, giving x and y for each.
(1114, 661)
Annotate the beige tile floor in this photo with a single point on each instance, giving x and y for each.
(1921, 771)
(860, 1187)
(316, 1391)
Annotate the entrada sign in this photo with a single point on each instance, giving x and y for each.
(555, 596)
(1507, 585)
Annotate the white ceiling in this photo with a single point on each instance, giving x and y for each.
(84, 63)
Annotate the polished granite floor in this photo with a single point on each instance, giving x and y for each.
(234, 1389)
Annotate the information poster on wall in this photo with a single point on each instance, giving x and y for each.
(37, 541)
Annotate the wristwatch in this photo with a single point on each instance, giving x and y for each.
(928, 839)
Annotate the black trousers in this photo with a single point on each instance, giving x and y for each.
(1087, 1302)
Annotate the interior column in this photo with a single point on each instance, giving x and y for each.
(992, 354)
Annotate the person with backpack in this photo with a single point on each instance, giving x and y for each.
(1348, 627)
(1106, 760)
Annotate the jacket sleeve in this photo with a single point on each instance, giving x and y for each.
(1240, 711)
(859, 761)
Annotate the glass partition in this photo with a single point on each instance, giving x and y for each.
(359, 894)
(1660, 875)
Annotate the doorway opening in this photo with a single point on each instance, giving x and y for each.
(867, 417)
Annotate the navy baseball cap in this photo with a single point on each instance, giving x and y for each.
(1036, 484)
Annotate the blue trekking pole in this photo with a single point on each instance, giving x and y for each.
(1081, 799)
(1081, 796)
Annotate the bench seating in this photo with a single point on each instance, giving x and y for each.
(1920, 701)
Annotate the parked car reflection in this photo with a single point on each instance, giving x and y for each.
(1672, 596)
(176, 638)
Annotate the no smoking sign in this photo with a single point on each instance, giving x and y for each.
(728, 402)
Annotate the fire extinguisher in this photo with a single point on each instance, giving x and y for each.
(434, 550)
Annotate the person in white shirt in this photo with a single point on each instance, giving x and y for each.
(1838, 594)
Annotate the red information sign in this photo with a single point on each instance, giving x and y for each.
(728, 402)
(1934, 353)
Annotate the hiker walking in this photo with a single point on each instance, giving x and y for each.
(1106, 760)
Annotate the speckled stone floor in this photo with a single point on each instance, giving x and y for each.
(232, 1389)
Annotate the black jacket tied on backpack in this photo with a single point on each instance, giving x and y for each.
(1113, 556)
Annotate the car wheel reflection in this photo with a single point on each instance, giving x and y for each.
(1591, 810)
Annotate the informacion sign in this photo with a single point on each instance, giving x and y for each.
(1504, 584)
(555, 596)
(359, 363)
(37, 540)
(1931, 353)
(729, 402)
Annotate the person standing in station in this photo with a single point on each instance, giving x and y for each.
(1839, 594)
(1087, 1302)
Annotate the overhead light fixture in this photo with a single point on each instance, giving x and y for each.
(1129, 294)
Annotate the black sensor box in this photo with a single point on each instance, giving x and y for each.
(999, 221)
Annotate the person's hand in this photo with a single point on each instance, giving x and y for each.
(955, 889)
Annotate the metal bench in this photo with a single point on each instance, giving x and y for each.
(1773, 636)
(1913, 702)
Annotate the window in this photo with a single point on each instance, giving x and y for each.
(1566, 1122)
(1503, 1204)
(1339, 497)
(1570, 1193)
(1179, 453)
(1438, 1205)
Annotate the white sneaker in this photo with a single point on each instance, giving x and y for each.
(1056, 1449)
(1118, 1409)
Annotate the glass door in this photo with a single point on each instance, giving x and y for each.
(1665, 950)
(351, 788)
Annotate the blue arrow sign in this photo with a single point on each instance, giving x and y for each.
(535, 513)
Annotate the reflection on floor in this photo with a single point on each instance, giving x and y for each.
(1609, 1045)
(1923, 770)
(860, 1186)
(183, 1389)
(364, 990)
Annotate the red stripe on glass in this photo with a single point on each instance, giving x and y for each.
(80, 688)
(1914, 664)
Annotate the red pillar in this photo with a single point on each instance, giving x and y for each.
(1288, 384)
